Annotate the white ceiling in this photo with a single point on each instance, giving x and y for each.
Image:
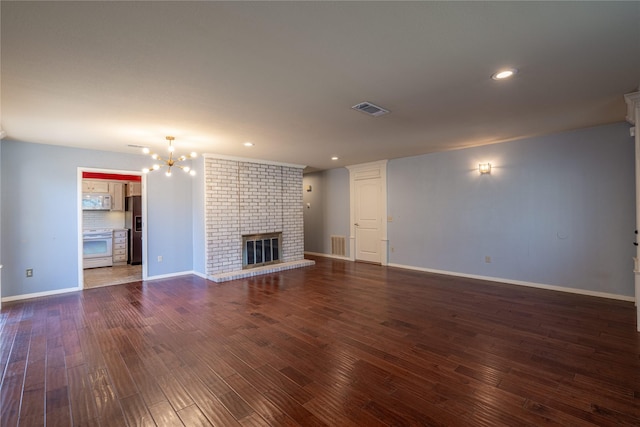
(284, 75)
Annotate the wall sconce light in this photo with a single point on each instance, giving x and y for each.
(484, 168)
(308, 189)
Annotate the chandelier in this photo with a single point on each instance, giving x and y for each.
(169, 162)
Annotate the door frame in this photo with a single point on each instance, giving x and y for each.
(365, 171)
(143, 182)
(633, 116)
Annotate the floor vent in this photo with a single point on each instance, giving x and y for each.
(370, 109)
(338, 245)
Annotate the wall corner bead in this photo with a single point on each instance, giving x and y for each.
(633, 107)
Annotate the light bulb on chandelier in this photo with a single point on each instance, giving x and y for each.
(170, 162)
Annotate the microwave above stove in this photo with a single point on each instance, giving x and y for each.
(96, 201)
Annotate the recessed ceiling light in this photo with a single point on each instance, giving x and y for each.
(248, 144)
(504, 74)
(334, 158)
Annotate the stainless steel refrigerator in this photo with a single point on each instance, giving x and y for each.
(133, 223)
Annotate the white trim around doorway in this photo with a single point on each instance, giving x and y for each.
(145, 271)
(366, 171)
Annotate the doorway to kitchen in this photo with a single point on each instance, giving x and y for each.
(111, 231)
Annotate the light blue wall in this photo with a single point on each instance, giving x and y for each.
(39, 215)
(314, 232)
(556, 210)
(169, 223)
(199, 238)
(329, 211)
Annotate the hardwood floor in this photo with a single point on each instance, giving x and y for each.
(338, 344)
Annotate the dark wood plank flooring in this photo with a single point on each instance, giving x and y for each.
(338, 344)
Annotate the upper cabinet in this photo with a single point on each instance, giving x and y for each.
(90, 186)
(134, 189)
(116, 189)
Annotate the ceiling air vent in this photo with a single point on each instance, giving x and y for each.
(370, 109)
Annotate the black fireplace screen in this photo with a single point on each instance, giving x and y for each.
(261, 249)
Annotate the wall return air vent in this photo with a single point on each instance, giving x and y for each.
(370, 109)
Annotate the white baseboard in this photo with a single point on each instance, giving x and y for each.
(520, 283)
(345, 258)
(170, 275)
(40, 294)
(196, 273)
(67, 290)
(406, 267)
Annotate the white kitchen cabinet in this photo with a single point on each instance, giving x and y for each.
(116, 189)
(134, 189)
(95, 186)
(120, 246)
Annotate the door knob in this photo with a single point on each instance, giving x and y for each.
(356, 224)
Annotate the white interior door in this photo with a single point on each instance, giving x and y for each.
(368, 196)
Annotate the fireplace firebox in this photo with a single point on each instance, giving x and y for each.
(261, 249)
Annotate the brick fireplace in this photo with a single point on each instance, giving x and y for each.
(245, 198)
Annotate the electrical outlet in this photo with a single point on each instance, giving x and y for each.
(29, 272)
(487, 259)
(393, 249)
(159, 258)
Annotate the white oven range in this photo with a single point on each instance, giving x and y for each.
(97, 248)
